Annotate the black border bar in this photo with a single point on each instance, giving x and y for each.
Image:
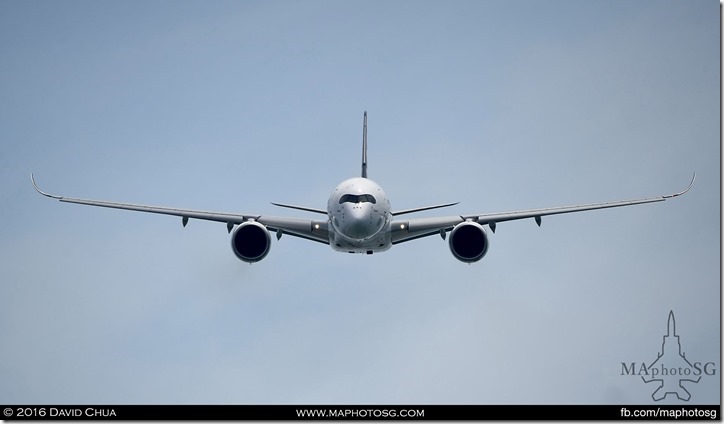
(359, 412)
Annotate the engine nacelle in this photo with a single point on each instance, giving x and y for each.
(250, 241)
(468, 242)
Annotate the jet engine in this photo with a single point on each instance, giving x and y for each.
(251, 241)
(468, 242)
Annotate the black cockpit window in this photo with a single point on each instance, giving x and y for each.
(354, 198)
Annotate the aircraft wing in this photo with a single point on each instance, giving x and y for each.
(406, 230)
(315, 230)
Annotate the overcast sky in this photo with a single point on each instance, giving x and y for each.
(230, 105)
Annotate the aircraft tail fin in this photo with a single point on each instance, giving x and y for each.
(364, 146)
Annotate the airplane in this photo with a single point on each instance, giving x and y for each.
(358, 219)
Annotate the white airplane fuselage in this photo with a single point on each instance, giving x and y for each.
(359, 216)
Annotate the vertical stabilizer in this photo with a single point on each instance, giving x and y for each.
(364, 146)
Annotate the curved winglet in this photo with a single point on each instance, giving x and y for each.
(682, 192)
(32, 178)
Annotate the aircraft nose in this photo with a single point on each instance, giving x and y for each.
(357, 212)
(360, 222)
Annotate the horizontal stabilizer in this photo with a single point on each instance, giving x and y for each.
(301, 208)
(404, 211)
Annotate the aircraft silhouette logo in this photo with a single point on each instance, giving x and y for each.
(671, 370)
(670, 360)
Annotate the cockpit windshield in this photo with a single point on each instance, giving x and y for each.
(355, 198)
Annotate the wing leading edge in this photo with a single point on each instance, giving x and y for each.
(406, 230)
(304, 228)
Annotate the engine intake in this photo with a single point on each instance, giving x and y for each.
(469, 242)
(251, 241)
